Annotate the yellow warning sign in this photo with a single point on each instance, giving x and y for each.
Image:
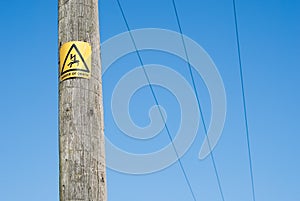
(75, 60)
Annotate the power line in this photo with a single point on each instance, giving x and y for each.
(156, 101)
(244, 99)
(198, 101)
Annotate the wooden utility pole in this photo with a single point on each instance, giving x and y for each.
(81, 127)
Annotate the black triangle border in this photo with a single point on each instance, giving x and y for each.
(81, 57)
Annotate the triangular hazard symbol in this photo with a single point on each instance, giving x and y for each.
(74, 61)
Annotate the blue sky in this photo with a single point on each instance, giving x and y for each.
(270, 45)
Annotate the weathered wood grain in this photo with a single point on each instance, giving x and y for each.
(81, 127)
